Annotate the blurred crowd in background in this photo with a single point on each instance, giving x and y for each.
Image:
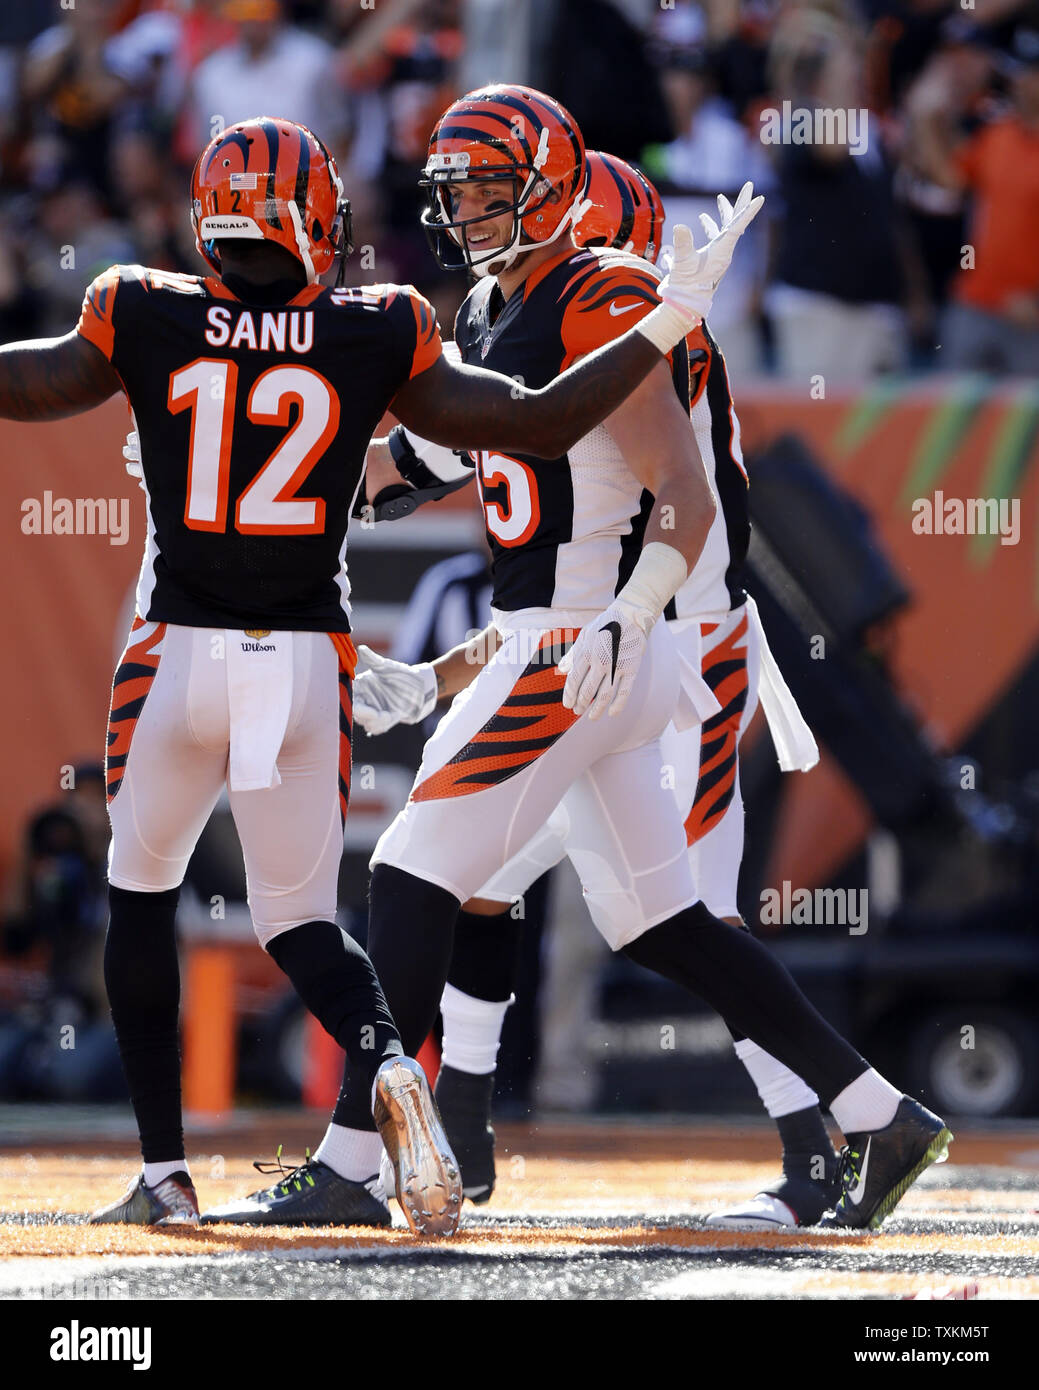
(909, 245)
(905, 240)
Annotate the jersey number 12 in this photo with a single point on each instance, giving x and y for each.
(270, 504)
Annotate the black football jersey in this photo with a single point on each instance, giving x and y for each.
(564, 533)
(254, 419)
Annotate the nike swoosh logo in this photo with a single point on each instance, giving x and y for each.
(615, 310)
(614, 629)
(855, 1194)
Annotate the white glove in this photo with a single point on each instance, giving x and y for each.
(132, 454)
(701, 278)
(390, 692)
(687, 291)
(601, 666)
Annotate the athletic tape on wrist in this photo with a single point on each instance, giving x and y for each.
(659, 574)
(665, 326)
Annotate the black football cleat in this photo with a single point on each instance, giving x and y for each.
(427, 1183)
(171, 1202)
(465, 1107)
(311, 1195)
(879, 1166)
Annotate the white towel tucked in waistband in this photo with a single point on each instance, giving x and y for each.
(259, 697)
(697, 702)
(795, 743)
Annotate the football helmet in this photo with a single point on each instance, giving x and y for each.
(519, 137)
(626, 211)
(271, 180)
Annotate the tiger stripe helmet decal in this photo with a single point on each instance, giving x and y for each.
(530, 720)
(268, 179)
(626, 212)
(513, 135)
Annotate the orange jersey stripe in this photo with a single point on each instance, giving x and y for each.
(96, 322)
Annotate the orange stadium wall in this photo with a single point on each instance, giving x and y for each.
(63, 596)
(973, 625)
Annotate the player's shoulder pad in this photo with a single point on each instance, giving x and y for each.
(125, 283)
(610, 259)
(606, 294)
(402, 304)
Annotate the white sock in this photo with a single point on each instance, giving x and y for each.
(155, 1172)
(868, 1103)
(782, 1092)
(355, 1154)
(472, 1031)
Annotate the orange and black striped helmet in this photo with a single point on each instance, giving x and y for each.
(626, 211)
(515, 136)
(271, 180)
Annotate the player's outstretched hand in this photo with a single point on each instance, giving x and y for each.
(695, 274)
(601, 666)
(388, 692)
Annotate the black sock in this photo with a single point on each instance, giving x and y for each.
(335, 979)
(803, 1133)
(142, 977)
(410, 932)
(744, 982)
(805, 1142)
(485, 959)
(736, 1034)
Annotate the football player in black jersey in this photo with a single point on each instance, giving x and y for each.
(239, 663)
(717, 627)
(588, 551)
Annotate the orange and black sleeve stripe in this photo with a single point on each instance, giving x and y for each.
(599, 306)
(428, 344)
(97, 317)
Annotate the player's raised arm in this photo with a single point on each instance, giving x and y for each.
(467, 407)
(49, 378)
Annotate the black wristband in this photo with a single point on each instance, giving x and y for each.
(407, 462)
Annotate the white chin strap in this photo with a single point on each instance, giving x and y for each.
(302, 243)
(504, 256)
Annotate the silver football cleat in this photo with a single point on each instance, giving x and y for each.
(428, 1183)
